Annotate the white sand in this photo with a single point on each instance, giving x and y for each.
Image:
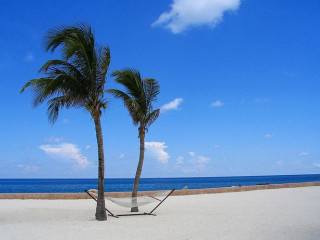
(265, 214)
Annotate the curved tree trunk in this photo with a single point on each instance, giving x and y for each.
(139, 168)
(100, 210)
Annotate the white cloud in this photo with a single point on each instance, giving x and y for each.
(303, 153)
(54, 139)
(195, 13)
(268, 135)
(191, 154)
(68, 152)
(28, 168)
(217, 146)
(316, 165)
(88, 147)
(156, 150)
(173, 105)
(202, 159)
(179, 160)
(121, 156)
(191, 164)
(29, 57)
(279, 163)
(217, 103)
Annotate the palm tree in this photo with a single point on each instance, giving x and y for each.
(141, 93)
(78, 80)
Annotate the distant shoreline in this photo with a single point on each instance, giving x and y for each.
(182, 177)
(176, 193)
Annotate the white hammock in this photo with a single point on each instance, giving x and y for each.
(130, 202)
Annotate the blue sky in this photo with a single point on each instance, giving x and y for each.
(239, 88)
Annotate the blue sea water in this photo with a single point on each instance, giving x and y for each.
(125, 184)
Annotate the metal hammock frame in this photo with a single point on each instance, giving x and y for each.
(134, 214)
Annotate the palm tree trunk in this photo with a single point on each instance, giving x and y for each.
(139, 168)
(100, 210)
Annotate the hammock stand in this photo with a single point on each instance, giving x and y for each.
(133, 214)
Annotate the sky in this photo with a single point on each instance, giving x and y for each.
(239, 89)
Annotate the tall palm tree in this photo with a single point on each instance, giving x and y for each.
(78, 80)
(138, 99)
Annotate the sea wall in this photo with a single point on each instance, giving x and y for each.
(175, 193)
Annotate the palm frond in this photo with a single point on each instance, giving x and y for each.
(152, 89)
(76, 81)
(102, 68)
(40, 89)
(54, 106)
(139, 96)
(131, 80)
(60, 64)
(131, 104)
(152, 117)
(77, 44)
(119, 94)
(104, 61)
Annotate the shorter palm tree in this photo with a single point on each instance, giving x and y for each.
(138, 99)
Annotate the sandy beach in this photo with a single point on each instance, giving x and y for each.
(263, 214)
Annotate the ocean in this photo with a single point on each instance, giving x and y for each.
(146, 184)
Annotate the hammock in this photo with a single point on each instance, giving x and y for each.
(131, 202)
